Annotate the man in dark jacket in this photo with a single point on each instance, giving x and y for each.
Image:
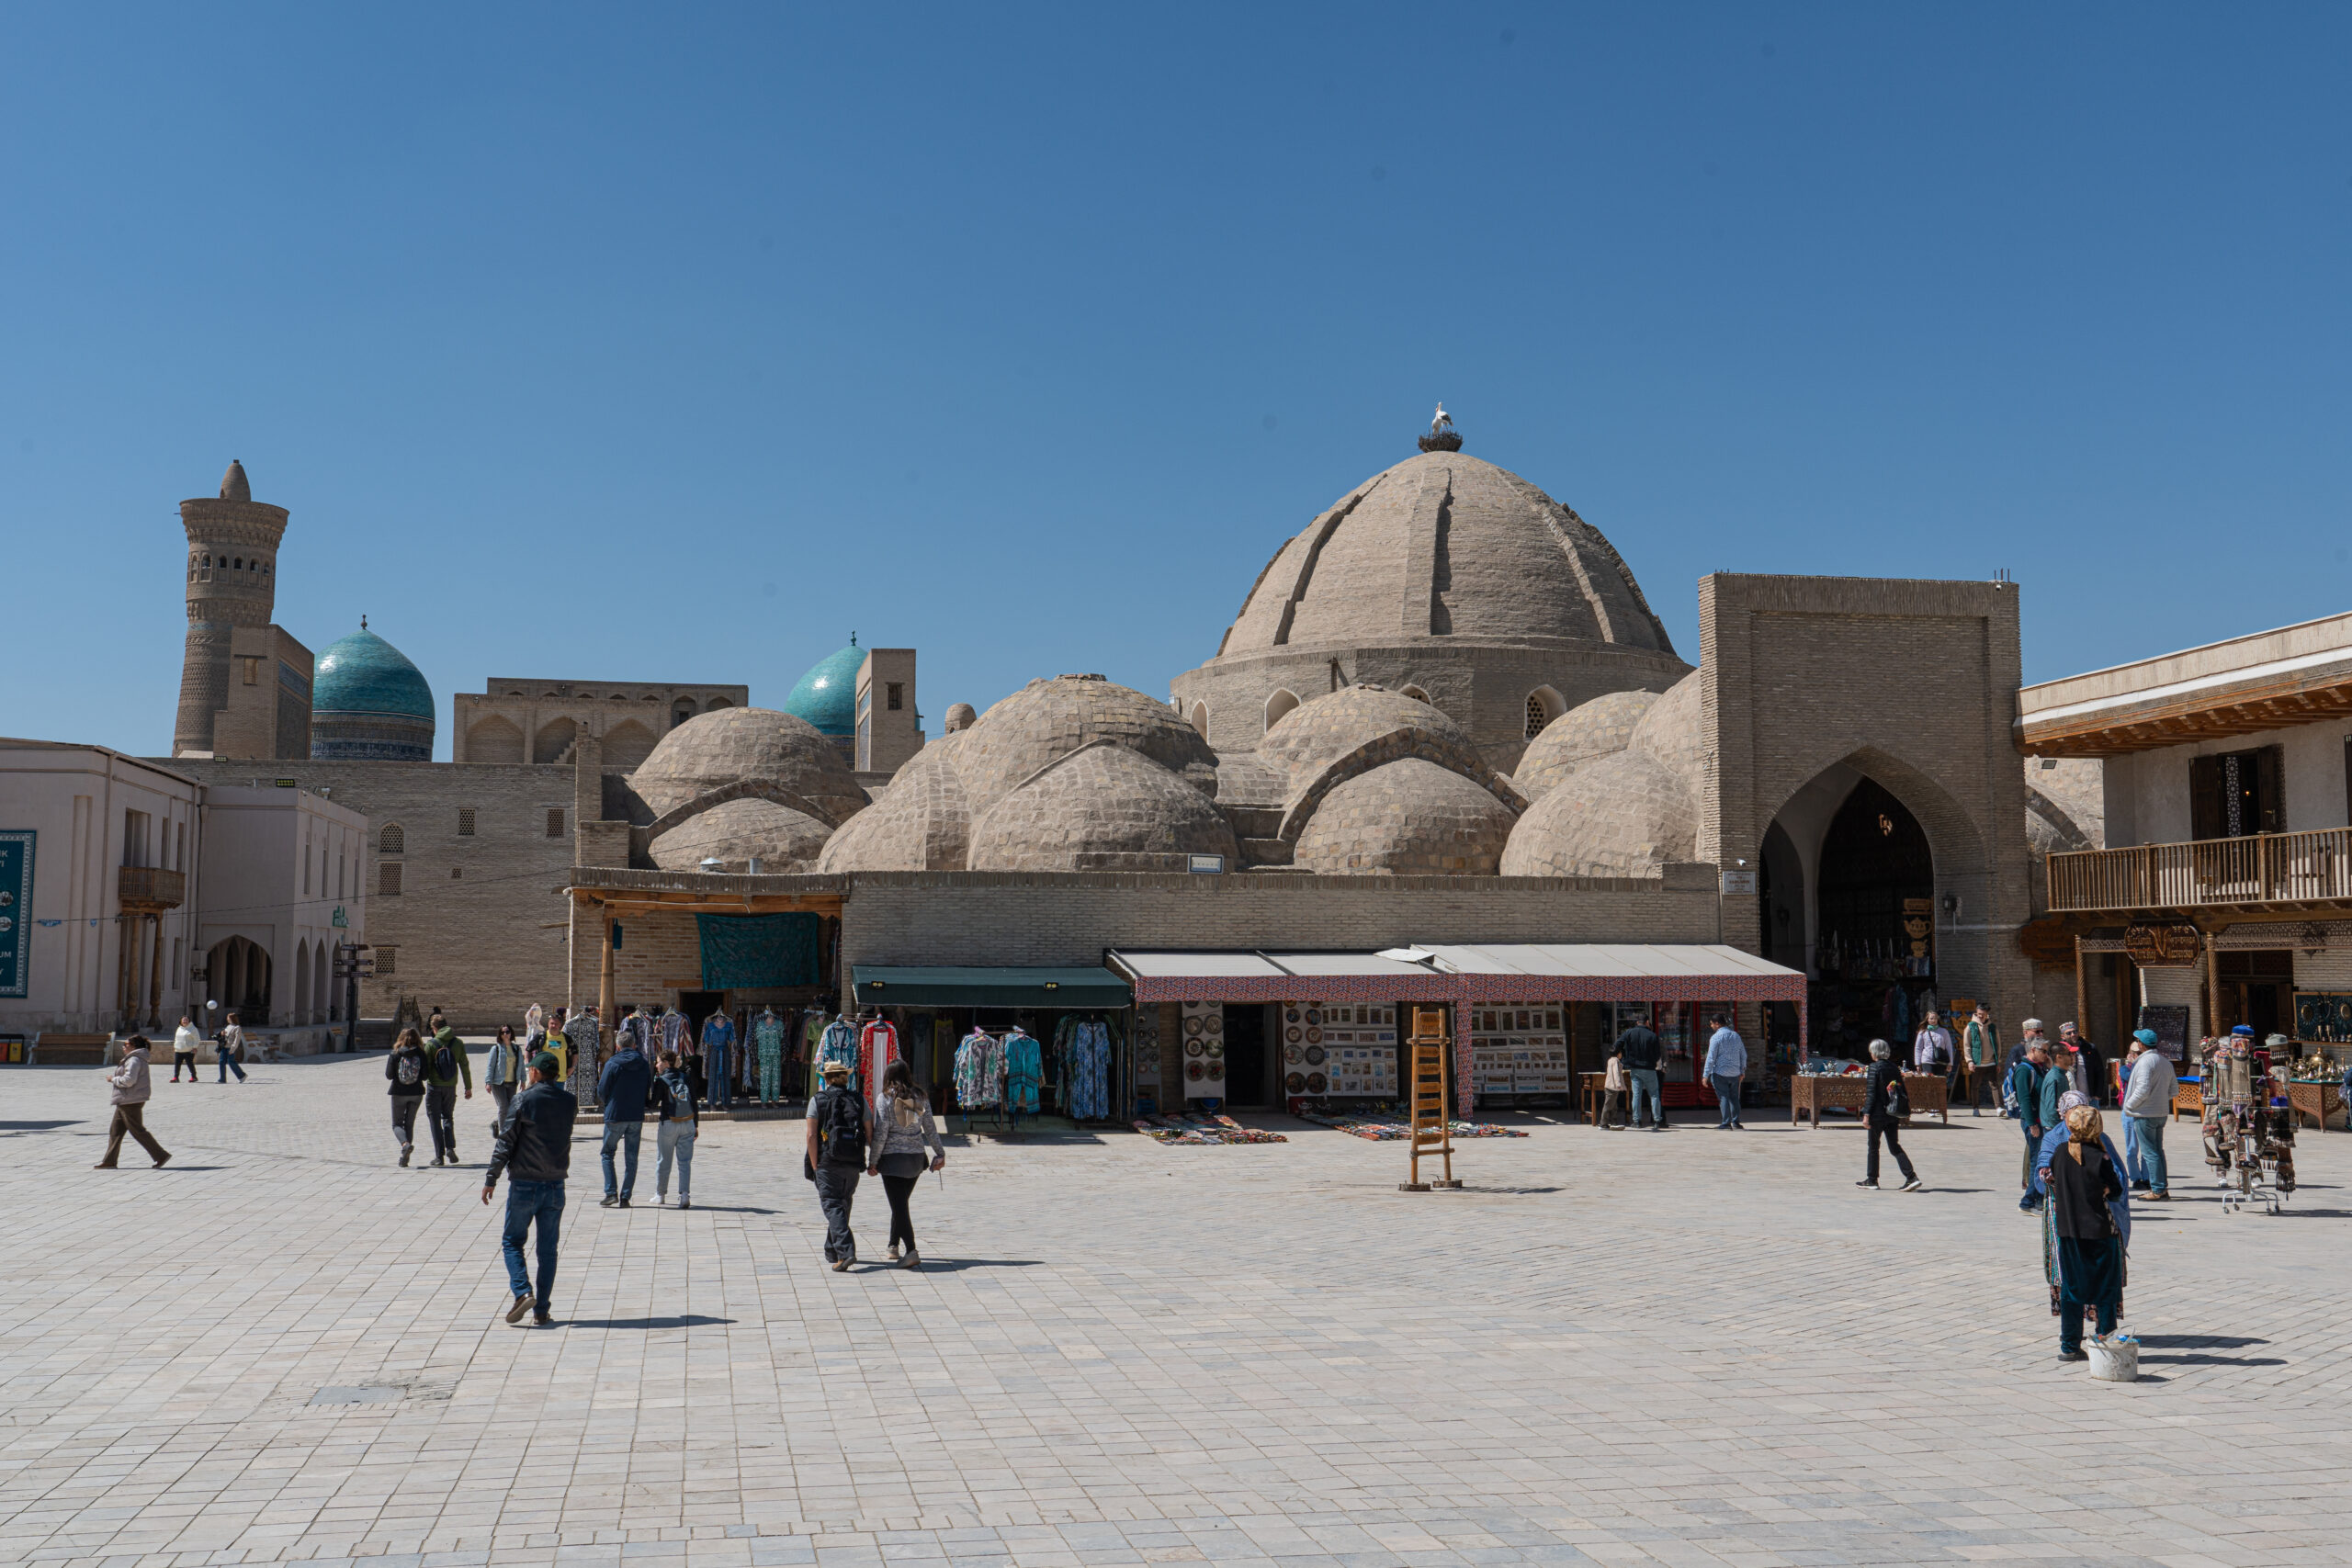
(2025, 1089)
(837, 1137)
(621, 1089)
(445, 1064)
(1885, 1102)
(534, 1147)
(1639, 1045)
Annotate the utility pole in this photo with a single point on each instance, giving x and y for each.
(351, 966)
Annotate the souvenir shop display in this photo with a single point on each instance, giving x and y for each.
(1396, 1132)
(979, 1072)
(2249, 1127)
(1079, 1068)
(763, 1064)
(837, 1042)
(673, 1031)
(1345, 1049)
(1144, 1051)
(1203, 1027)
(585, 1038)
(877, 1047)
(1024, 1072)
(1203, 1129)
(1521, 1051)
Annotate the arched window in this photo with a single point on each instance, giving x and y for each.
(390, 840)
(1543, 706)
(681, 711)
(1416, 693)
(1279, 705)
(239, 563)
(1201, 718)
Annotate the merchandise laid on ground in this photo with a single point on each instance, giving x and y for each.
(1391, 1131)
(1203, 1129)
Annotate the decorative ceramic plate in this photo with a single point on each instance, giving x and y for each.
(1291, 1015)
(1314, 1083)
(1191, 1026)
(1315, 1056)
(1192, 1047)
(1291, 1054)
(1296, 1083)
(1314, 1036)
(1192, 1069)
(1314, 1015)
(1292, 1034)
(1216, 1023)
(1216, 1049)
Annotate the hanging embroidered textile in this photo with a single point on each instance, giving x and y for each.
(1090, 1072)
(673, 1032)
(837, 1043)
(739, 952)
(979, 1072)
(1023, 1071)
(877, 1047)
(581, 1033)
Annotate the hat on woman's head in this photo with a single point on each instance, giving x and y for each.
(835, 1070)
(2145, 1036)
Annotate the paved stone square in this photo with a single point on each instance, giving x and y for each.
(1619, 1347)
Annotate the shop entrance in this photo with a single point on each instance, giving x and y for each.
(1245, 1056)
(1873, 924)
(2258, 989)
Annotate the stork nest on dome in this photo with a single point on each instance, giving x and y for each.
(1443, 438)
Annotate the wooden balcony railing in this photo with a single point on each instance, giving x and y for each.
(150, 887)
(2269, 868)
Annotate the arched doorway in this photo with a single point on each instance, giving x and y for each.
(238, 978)
(1874, 916)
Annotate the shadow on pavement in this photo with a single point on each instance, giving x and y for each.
(691, 1320)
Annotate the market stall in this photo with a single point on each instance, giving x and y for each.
(1012, 1046)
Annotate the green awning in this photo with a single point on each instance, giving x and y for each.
(1096, 988)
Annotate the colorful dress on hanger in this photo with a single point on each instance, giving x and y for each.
(581, 1033)
(1023, 1071)
(979, 1072)
(813, 1035)
(838, 1044)
(1090, 1072)
(767, 1042)
(877, 1047)
(673, 1032)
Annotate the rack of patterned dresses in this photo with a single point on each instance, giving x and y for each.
(1072, 1071)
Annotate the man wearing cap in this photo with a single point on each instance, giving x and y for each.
(2147, 1101)
(2029, 1035)
(534, 1147)
(837, 1137)
(2026, 1082)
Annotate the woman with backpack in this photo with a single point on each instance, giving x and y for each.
(504, 1073)
(671, 1102)
(902, 1133)
(837, 1136)
(404, 1072)
(445, 1064)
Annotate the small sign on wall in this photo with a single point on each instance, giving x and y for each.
(1739, 881)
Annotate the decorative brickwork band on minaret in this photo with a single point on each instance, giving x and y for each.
(231, 581)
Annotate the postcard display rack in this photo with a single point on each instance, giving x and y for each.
(1520, 1053)
(1145, 1058)
(1203, 1070)
(1345, 1050)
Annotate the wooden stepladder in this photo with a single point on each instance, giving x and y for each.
(1432, 1099)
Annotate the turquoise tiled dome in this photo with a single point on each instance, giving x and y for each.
(369, 701)
(827, 695)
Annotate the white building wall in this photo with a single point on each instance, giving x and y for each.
(259, 841)
(2147, 792)
(75, 800)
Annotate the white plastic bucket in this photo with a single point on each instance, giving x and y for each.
(2115, 1360)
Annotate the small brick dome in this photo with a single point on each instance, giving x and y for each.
(920, 823)
(1586, 733)
(1408, 817)
(1672, 733)
(782, 839)
(1047, 720)
(734, 746)
(1322, 729)
(1101, 808)
(1623, 816)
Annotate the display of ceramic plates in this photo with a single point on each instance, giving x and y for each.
(1294, 1031)
(1216, 1049)
(1314, 1083)
(1314, 1035)
(1314, 1015)
(1291, 1015)
(1315, 1056)
(1191, 1026)
(1296, 1083)
(1216, 1023)
(1193, 1047)
(1291, 1054)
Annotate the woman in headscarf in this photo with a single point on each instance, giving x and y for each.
(2085, 1182)
(2120, 1208)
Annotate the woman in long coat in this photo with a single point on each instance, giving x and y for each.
(2084, 1180)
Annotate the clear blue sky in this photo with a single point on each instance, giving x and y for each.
(630, 343)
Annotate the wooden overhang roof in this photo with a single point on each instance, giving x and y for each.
(2270, 681)
(624, 891)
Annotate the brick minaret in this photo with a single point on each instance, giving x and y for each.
(231, 581)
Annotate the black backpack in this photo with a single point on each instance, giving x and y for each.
(842, 1126)
(444, 1065)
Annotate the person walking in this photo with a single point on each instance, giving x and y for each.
(1724, 1065)
(1612, 1092)
(445, 1064)
(229, 1047)
(677, 1119)
(184, 1040)
(2030, 1032)
(2023, 1090)
(902, 1132)
(2093, 1080)
(621, 1089)
(836, 1155)
(404, 1072)
(2082, 1183)
(129, 1085)
(1886, 1103)
(534, 1147)
(717, 1035)
(1978, 1047)
(2147, 1102)
(501, 1074)
(1639, 1045)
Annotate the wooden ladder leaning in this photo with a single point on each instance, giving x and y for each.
(1433, 1124)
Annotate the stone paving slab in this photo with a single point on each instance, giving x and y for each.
(1610, 1347)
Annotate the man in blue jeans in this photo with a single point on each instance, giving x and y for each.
(1639, 1045)
(534, 1147)
(621, 1089)
(1725, 1065)
(2147, 1101)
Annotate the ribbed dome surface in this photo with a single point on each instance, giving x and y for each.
(922, 822)
(827, 695)
(1672, 731)
(731, 745)
(1623, 816)
(782, 839)
(363, 673)
(1410, 817)
(1446, 544)
(1321, 730)
(1049, 719)
(1103, 807)
(1602, 728)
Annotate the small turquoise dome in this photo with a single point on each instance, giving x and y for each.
(369, 701)
(827, 695)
